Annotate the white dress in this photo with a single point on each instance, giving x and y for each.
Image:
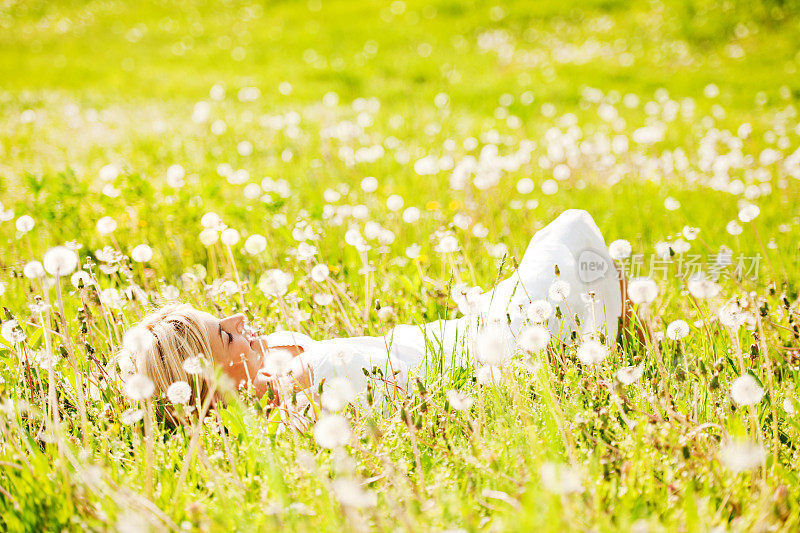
(572, 241)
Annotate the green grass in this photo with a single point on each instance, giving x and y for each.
(88, 84)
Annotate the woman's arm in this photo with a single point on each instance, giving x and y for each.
(300, 376)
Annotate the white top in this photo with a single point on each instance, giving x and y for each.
(572, 241)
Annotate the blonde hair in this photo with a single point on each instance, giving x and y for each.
(178, 334)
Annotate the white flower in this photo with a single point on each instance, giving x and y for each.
(209, 236)
(629, 374)
(733, 227)
(369, 184)
(740, 456)
(491, 345)
(748, 213)
(2, 288)
(194, 364)
(534, 338)
(351, 494)
(255, 244)
(337, 393)
(702, 287)
(320, 273)
(745, 390)
(413, 251)
(488, 374)
(81, 275)
(559, 290)
(386, 313)
(33, 270)
(332, 431)
(25, 223)
(305, 251)
(560, 479)
(642, 290)
(138, 339)
(179, 392)
(229, 237)
(411, 215)
(677, 330)
(274, 282)
(447, 244)
(142, 253)
(138, 387)
(323, 299)
(175, 175)
(394, 202)
(788, 406)
(539, 311)
(131, 416)
(620, 249)
(112, 298)
(60, 261)
(12, 332)
(732, 316)
(210, 220)
(459, 400)
(591, 352)
(106, 225)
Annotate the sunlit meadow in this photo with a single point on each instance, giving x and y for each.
(339, 167)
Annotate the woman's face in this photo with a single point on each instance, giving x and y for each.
(239, 357)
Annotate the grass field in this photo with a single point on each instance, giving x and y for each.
(674, 123)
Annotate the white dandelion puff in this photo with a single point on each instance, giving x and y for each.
(642, 290)
(745, 390)
(620, 249)
(539, 311)
(255, 244)
(337, 393)
(534, 338)
(591, 352)
(629, 374)
(60, 261)
(179, 392)
(106, 225)
(740, 456)
(677, 329)
(320, 273)
(142, 253)
(332, 431)
(138, 387)
(559, 290)
(459, 400)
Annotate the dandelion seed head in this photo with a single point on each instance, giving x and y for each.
(337, 393)
(320, 273)
(539, 311)
(620, 249)
(592, 352)
(194, 364)
(138, 339)
(701, 287)
(130, 416)
(677, 330)
(255, 244)
(629, 374)
(559, 290)
(12, 332)
(25, 223)
(748, 213)
(560, 479)
(60, 261)
(491, 345)
(33, 270)
(274, 282)
(106, 225)
(138, 387)
(229, 236)
(351, 494)
(179, 392)
(642, 290)
(745, 390)
(142, 253)
(332, 431)
(534, 338)
(459, 400)
(740, 456)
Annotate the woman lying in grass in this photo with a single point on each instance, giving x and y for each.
(566, 289)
